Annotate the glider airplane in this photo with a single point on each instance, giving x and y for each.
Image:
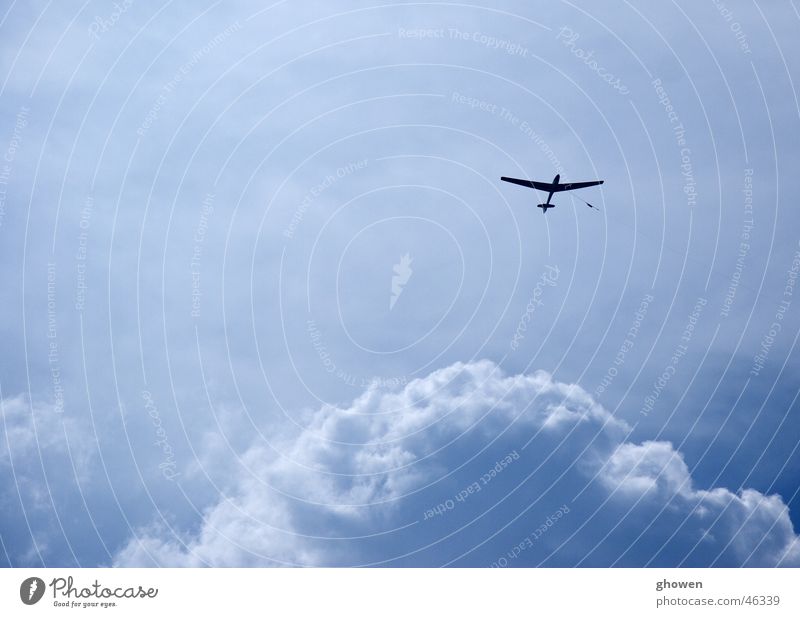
(553, 187)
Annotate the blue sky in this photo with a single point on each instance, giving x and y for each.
(268, 303)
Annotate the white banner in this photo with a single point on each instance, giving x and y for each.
(401, 592)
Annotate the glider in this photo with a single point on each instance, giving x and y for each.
(553, 187)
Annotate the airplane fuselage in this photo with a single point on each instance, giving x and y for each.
(547, 205)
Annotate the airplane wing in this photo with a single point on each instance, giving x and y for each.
(550, 187)
(539, 186)
(575, 185)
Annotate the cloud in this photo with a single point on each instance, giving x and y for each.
(46, 458)
(40, 435)
(756, 527)
(359, 471)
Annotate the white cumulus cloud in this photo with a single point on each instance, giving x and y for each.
(337, 492)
